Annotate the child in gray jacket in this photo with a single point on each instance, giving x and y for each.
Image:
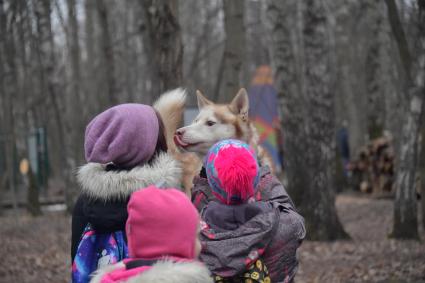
(236, 229)
(248, 218)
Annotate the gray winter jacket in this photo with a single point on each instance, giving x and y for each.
(280, 252)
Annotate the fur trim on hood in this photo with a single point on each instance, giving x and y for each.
(164, 272)
(98, 183)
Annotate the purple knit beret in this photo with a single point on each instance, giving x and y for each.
(125, 134)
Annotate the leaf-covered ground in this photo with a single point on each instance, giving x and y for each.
(37, 250)
(370, 256)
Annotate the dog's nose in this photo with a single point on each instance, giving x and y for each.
(180, 132)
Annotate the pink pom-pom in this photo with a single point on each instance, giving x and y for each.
(236, 170)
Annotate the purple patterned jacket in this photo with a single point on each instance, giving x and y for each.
(280, 254)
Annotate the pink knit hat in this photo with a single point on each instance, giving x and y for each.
(161, 222)
(125, 134)
(232, 171)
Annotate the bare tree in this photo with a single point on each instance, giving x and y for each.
(9, 81)
(47, 62)
(422, 170)
(309, 117)
(163, 44)
(6, 97)
(2, 84)
(75, 100)
(229, 76)
(286, 53)
(33, 204)
(373, 71)
(204, 39)
(91, 62)
(405, 206)
(108, 64)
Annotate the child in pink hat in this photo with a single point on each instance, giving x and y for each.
(162, 232)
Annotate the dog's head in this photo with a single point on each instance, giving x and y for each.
(215, 122)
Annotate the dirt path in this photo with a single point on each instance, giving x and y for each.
(371, 256)
(37, 250)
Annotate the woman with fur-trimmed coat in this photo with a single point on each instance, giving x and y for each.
(126, 150)
(280, 254)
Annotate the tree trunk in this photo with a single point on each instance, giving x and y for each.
(284, 39)
(9, 79)
(351, 96)
(108, 64)
(45, 62)
(422, 151)
(405, 206)
(400, 37)
(93, 93)
(130, 59)
(322, 220)
(33, 203)
(164, 48)
(46, 65)
(234, 49)
(75, 100)
(2, 88)
(308, 110)
(373, 71)
(422, 170)
(405, 224)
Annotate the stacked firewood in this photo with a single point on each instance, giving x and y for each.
(373, 169)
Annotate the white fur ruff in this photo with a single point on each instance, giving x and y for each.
(98, 183)
(164, 272)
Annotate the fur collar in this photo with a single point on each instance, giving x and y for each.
(164, 272)
(98, 183)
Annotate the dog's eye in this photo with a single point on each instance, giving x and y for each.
(210, 123)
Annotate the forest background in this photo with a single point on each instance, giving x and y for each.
(355, 65)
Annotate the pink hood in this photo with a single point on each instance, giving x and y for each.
(162, 225)
(161, 222)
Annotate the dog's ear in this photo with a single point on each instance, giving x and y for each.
(202, 100)
(240, 104)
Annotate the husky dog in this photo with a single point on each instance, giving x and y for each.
(217, 122)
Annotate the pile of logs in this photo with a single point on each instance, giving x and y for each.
(373, 169)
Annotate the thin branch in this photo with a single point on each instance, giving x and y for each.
(400, 38)
(204, 56)
(61, 18)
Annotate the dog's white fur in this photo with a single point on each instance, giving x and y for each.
(217, 122)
